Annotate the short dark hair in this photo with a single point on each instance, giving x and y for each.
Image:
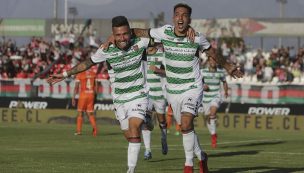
(183, 5)
(120, 21)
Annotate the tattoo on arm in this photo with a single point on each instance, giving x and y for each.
(141, 32)
(220, 60)
(225, 87)
(81, 67)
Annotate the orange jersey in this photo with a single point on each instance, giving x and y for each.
(87, 90)
(87, 81)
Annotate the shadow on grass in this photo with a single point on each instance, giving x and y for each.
(234, 153)
(63, 119)
(262, 169)
(114, 134)
(161, 160)
(256, 144)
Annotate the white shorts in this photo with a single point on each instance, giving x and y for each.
(188, 101)
(216, 102)
(158, 105)
(136, 108)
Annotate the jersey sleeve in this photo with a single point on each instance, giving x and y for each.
(158, 33)
(145, 42)
(202, 42)
(99, 56)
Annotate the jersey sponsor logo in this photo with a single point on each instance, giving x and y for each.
(268, 111)
(28, 104)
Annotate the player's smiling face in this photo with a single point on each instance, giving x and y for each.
(122, 36)
(181, 20)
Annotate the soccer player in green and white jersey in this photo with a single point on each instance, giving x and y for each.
(212, 97)
(184, 84)
(130, 95)
(155, 83)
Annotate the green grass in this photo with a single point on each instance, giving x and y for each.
(29, 148)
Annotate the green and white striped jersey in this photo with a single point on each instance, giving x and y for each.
(182, 67)
(213, 80)
(129, 82)
(154, 81)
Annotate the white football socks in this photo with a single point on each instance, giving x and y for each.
(133, 151)
(197, 148)
(212, 126)
(147, 139)
(188, 142)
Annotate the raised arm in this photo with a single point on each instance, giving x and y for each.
(141, 32)
(230, 68)
(225, 86)
(146, 33)
(77, 69)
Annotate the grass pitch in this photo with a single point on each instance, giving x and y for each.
(52, 148)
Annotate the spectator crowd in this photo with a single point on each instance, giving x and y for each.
(40, 57)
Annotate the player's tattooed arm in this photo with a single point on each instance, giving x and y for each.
(232, 69)
(81, 67)
(140, 32)
(54, 78)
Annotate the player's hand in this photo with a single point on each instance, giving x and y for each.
(235, 72)
(191, 34)
(55, 78)
(107, 43)
(151, 50)
(205, 87)
(153, 68)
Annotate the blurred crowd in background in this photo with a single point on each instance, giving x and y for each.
(41, 57)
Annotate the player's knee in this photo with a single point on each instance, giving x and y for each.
(212, 116)
(185, 131)
(187, 127)
(134, 131)
(136, 139)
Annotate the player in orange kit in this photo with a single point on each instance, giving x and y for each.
(86, 86)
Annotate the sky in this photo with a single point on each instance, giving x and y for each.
(142, 9)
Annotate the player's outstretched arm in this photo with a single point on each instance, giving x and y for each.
(138, 32)
(141, 32)
(232, 69)
(54, 78)
(225, 86)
